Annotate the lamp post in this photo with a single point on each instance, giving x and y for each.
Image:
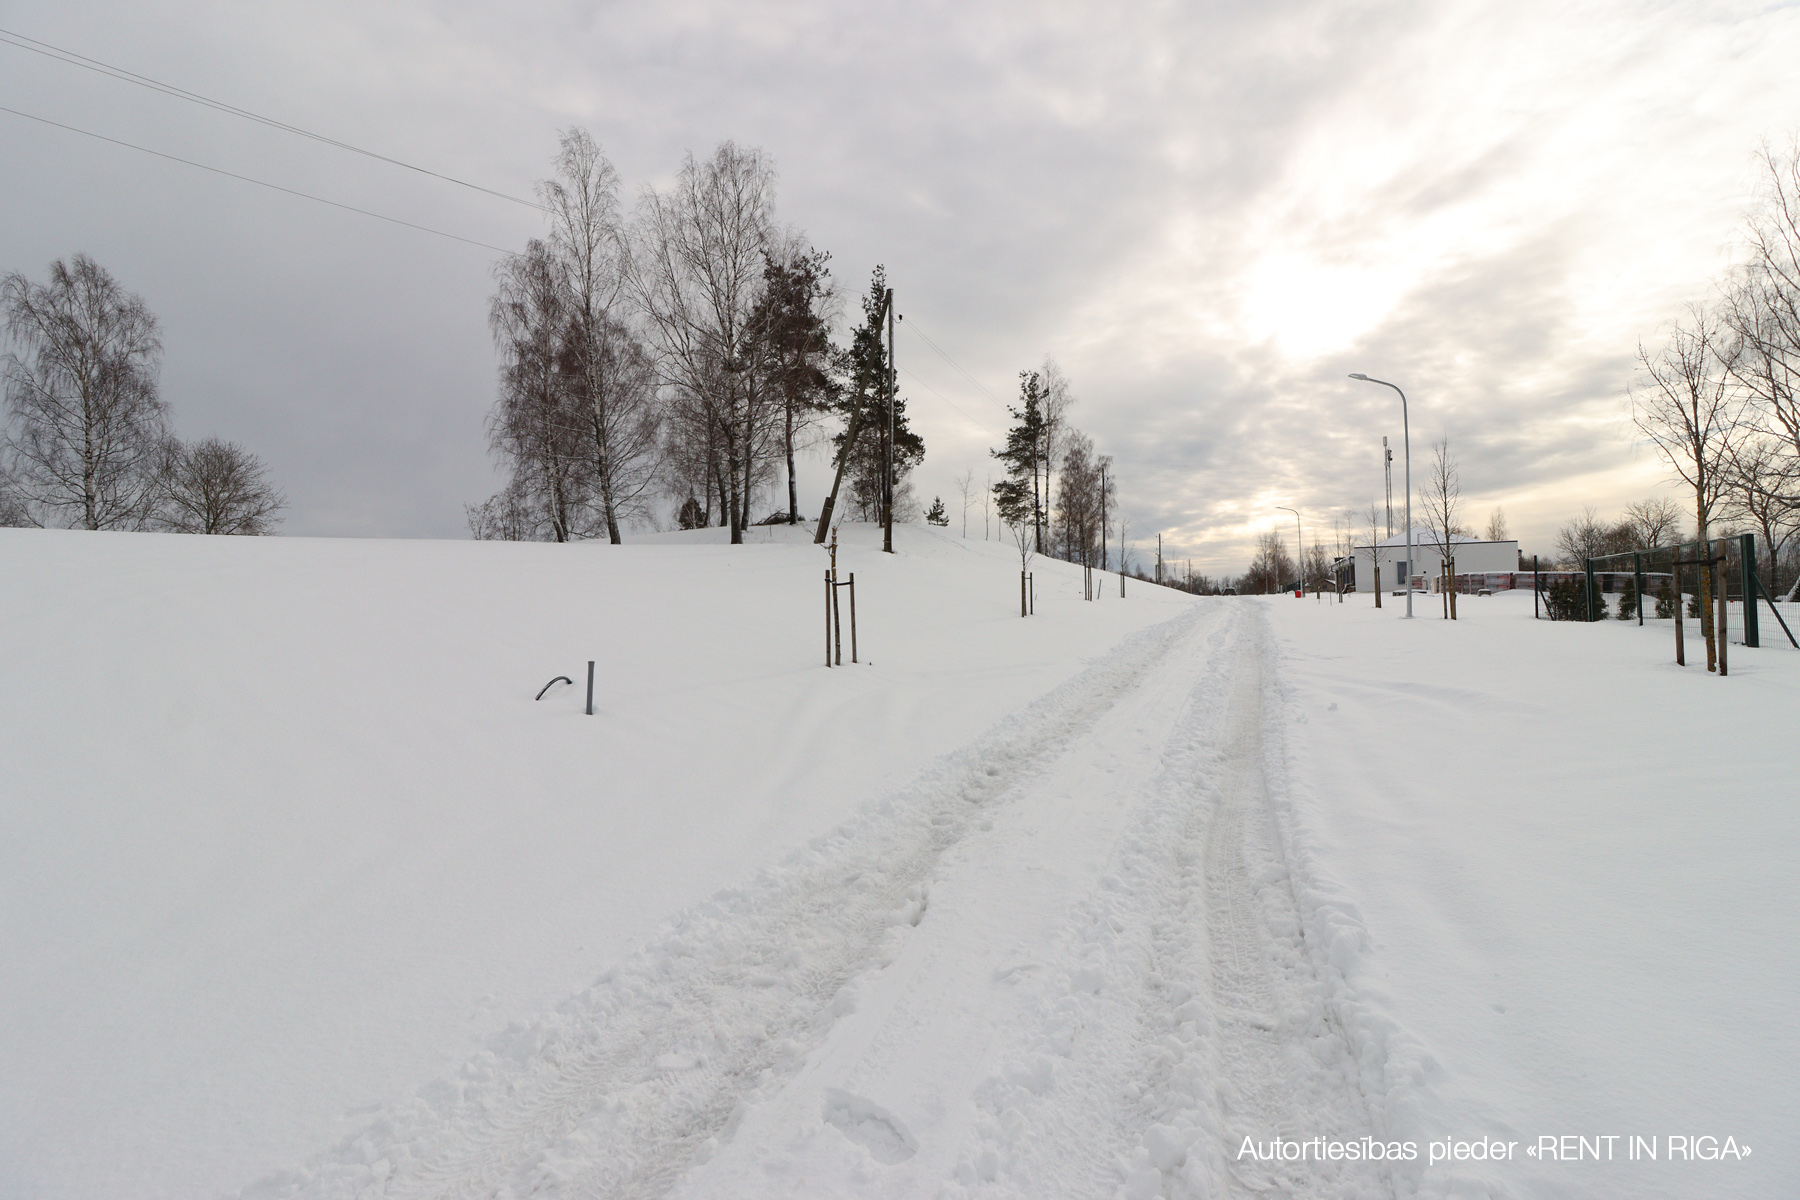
(1299, 546)
(1406, 432)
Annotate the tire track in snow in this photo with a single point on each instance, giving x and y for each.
(1285, 1070)
(633, 1081)
(1188, 1012)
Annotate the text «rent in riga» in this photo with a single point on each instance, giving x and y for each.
(1605, 1147)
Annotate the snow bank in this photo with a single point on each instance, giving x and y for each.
(284, 836)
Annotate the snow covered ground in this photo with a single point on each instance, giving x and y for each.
(305, 896)
(1575, 864)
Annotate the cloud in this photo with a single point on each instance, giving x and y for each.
(1209, 214)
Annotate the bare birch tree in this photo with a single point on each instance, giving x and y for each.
(217, 487)
(1442, 495)
(1377, 517)
(536, 427)
(1758, 491)
(696, 273)
(86, 424)
(1058, 399)
(1763, 312)
(1684, 401)
(613, 382)
(1654, 522)
(510, 515)
(1078, 499)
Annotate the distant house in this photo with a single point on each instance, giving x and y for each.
(1474, 556)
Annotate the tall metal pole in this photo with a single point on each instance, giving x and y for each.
(1406, 430)
(1387, 474)
(1299, 545)
(887, 532)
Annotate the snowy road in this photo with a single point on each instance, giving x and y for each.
(1068, 960)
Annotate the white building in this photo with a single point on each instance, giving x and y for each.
(1473, 556)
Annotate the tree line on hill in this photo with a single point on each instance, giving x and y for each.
(87, 442)
(681, 355)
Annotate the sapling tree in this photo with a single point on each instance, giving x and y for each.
(966, 483)
(1377, 519)
(1018, 512)
(1443, 505)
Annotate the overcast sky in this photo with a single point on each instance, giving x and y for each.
(1208, 214)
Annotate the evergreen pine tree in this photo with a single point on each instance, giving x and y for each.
(863, 401)
(936, 515)
(1665, 601)
(1020, 495)
(791, 321)
(1628, 599)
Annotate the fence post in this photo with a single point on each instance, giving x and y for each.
(1637, 570)
(1591, 596)
(1537, 590)
(590, 709)
(1675, 586)
(853, 616)
(1031, 580)
(1724, 604)
(1747, 563)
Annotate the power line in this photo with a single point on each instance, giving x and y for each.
(19, 40)
(915, 328)
(258, 182)
(950, 402)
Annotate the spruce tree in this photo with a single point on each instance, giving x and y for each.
(936, 515)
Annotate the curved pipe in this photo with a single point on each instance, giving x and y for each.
(554, 682)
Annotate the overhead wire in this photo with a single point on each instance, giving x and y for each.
(19, 40)
(949, 401)
(258, 182)
(946, 357)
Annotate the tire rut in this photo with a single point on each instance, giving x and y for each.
(633, 1081)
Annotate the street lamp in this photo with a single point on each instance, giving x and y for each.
(1299, 546)
(1407, 434)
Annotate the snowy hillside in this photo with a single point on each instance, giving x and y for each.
(306, 896)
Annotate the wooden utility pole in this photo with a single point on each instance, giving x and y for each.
(1103, 518)
(887, 533)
